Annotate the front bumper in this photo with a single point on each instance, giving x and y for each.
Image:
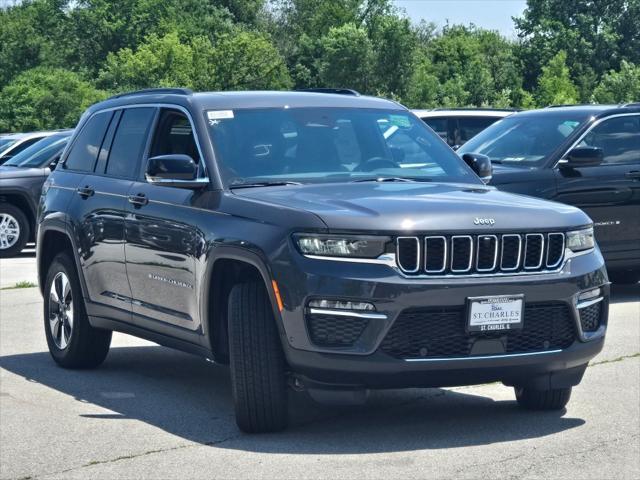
(365, 365)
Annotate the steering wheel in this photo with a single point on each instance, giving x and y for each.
(375, 163)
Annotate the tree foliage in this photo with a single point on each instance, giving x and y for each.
(583, 50)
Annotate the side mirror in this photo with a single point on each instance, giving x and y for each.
(54, 163)
(583, 157)
(175, 170)
(480, 164)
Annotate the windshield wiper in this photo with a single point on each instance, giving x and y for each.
(263, 184)
(392, 179)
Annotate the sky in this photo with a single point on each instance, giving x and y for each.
(490, 14)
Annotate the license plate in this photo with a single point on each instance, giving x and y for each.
(498, 313)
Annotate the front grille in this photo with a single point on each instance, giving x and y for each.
(590, 317)
(480, 254)
(334, 331)
(441, 332)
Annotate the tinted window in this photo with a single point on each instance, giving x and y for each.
(174, 134)
(5, 143)
(24, 145)
(438, 125)
(524, 138)
(619, 139)
(329, 145)
(469, 127)
(129, 142)
(86, 146)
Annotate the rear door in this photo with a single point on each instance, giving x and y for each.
(610, 192)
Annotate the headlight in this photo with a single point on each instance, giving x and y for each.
(579, 240)
(341, 245)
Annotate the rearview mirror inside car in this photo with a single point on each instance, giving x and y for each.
(480, 164)
(583, 157)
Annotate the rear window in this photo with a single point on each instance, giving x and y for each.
(86, 146)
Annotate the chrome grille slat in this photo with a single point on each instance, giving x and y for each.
(480, 254)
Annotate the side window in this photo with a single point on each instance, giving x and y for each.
(619, 139)
(24, 145)
(86, 146)
(129, 142)
(438, 125)
(471, 126)
(174, 134)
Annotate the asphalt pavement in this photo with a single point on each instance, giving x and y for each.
(150, 412)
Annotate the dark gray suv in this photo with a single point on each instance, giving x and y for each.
(326, 242)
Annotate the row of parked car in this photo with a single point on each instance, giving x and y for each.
(584, 155)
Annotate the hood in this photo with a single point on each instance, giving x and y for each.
(409, 207)
(8, 171)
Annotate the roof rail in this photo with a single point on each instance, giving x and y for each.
(154, 91)
(491, 109)
(337, 91)
(560, 105)
(630, 104)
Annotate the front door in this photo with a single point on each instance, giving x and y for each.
(163, 252)
(610, 192)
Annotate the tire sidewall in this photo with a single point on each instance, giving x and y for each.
(25, 229)
(62, 263)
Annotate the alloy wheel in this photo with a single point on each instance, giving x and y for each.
(9, 231)
(61, 310)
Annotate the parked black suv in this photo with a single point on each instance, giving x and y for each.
(327, 242)
(21, 180)
(587, 156)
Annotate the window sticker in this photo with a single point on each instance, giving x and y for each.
(215, 116)
(401, 121)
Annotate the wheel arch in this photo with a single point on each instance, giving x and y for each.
(22, 201)
(230, 266)
(52, 240)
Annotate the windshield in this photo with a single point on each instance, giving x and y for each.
(5, 143)
(523, 139)
(323, 145)
(40, 153)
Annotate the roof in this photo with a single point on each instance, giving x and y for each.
(582, 110)
(26, 135)
(248, 99)
(463, 112)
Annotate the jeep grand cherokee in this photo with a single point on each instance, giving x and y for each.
(321, 241)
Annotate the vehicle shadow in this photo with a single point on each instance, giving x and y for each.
(191, 398)
(625, 293)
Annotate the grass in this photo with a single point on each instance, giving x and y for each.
(21, 284)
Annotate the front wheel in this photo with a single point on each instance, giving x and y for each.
(257, 361)
(72, 341)
(554, 399)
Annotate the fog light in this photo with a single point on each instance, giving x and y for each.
(342, 305)
(589, 294)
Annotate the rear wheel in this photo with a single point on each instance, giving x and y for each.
(14, 230)
(554, 399)
(625, 278)
(257, 361)
(72, 341)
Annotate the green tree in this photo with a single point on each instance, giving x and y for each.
(346, 58)
(619, 87)
(555, 85)
(45, 98)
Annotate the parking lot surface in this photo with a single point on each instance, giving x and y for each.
(150, 412)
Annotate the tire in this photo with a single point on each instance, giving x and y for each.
(554, 399)
(258, 371)
(74, 343)
(12, 219)
(625, 278)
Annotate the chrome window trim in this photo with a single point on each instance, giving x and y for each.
(511, 269)
(495, 253)
(151, 105)
(347, 313)
(562, 249)
(563, 159)
(526, 242)
(588, 303)
(444, 259)
(418, 254)
(470, 238)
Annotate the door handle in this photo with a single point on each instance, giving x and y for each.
(86, 191)
(138, 200)
(633, 174)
